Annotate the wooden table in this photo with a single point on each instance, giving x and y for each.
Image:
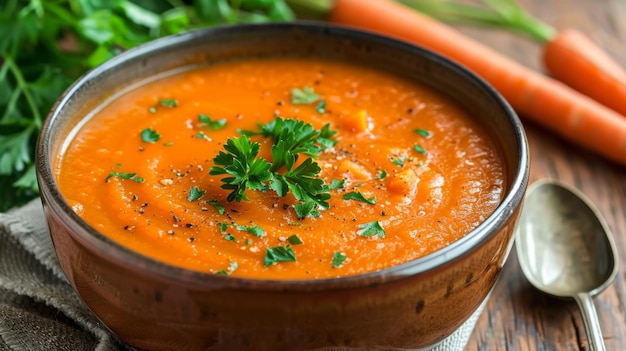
(518, 317)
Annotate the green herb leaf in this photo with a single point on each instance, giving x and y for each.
(338, 259)
(168, 102)
(381, 174)
(398, 161)
(336, 184)
(195, 194)
(150, 136)
(321, 107)
(371, 228)
(219, 207)
(243, 169)
(304, 96)
(213, 124)
(356, 195)
(223, 227)
(254, 230)
(419, 149)
(294, 240)
(229, 237)
(277, 254)
(422, 132)
(129, 176)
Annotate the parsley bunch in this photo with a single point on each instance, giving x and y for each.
(45, 45)
(291, 138)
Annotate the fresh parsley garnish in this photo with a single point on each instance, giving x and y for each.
(129, 176)
(420, 149)
(291, 139)
(168, 102)
(230, 237)
(381, 174)
(219, 207)
(356, 195)
(422, 132)
(371, 228)
(338, 259)
(277, 254)
(321, 107)
(213, 124)
(232, 267)
(243, 169)
(254, 230)
(336, 184)
(294, 240)
(304, 96)
(398, 161)
(150, 136)
(195, 194)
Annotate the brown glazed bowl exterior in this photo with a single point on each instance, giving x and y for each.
(155, 306)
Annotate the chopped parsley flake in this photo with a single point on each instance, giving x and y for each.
(381, 174)
(129, 176)
(371, 228)
(294, 240)
(223, 227)
(304, 96)
(338, 259)
(420, 149)
(195, 194)
(219, 207)
(422, 132)
(229, 237)
(168, 102)
(321, 107)
(277, 254)
(150, 136)
(213, 124)
(254, 230)
(233, 267)
(336, 184)
(356, 195)
(398, 161)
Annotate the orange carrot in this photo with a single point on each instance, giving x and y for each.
(544, 100)
(574, 59)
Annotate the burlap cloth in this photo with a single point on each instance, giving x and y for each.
(40, 311)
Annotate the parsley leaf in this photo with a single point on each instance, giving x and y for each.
(398, 161)
(381, 174)
(168, 102)
(294, 240)
(336, 184)
(338, 259)
(321, 107)
(422, 132)
(219, 207)
(254, 230)
(129, 176)
(150, 136)
(371, 228)
(356, 195)
(213, 124)
(195, 194)
(244, 170)
(420, 149)
(277, 254)
(304, 96)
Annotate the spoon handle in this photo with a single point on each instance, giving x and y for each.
(590, 319)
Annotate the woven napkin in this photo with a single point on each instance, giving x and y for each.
(40, 311)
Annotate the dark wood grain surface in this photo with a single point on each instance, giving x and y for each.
(518, 317)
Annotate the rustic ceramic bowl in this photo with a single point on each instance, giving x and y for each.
(155, 306)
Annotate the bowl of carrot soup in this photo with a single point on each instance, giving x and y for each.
(282, 187)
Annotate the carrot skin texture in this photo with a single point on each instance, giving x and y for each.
(574, 59)
(539, 98)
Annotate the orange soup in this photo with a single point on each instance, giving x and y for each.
(282, 168)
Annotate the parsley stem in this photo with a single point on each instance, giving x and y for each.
(23, 87)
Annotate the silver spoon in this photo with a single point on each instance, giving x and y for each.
(565, 249)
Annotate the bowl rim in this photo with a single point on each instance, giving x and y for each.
(55, 203)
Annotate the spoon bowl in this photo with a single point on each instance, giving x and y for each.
(565, 248)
